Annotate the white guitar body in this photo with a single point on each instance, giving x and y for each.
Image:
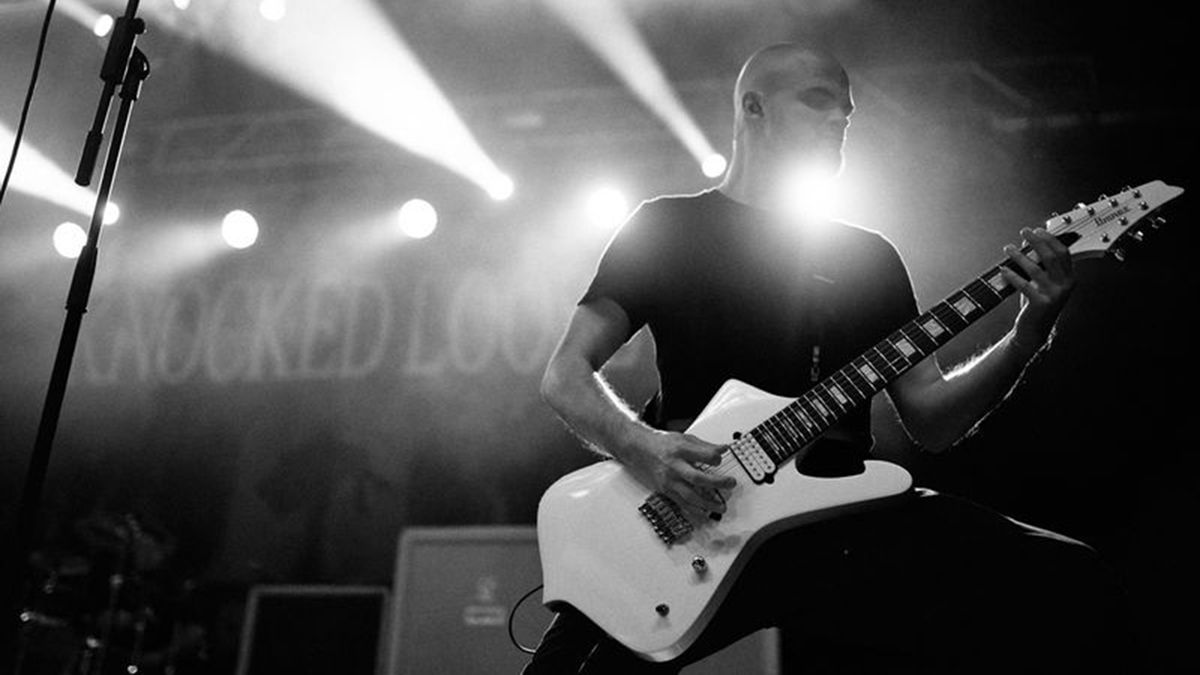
(601, 556)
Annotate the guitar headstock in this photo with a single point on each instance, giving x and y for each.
(1111, 223)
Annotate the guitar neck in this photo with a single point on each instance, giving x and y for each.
(853, 385)
(1106, 225)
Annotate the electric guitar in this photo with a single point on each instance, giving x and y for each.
(652, 574)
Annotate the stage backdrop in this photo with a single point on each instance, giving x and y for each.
(282, 417)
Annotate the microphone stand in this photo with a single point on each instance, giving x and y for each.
(127, 67)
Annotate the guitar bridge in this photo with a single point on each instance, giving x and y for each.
(666, 518)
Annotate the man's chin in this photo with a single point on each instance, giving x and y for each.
(831, 161)
(828, 165)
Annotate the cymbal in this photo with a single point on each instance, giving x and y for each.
(104, 530)
(124, 534)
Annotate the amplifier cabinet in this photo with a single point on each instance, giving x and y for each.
(314, 629)
(455, 588)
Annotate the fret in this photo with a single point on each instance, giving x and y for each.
(889, 355)
(788, 419)
(963, 304)
(766, 437)
(781, 447)
(882, 363)
(816, 422)
(864, 368)
(762, 436)
(985, 295)
(839, 394)
(904, 346)
(809, 429)
(861, 391)
(786, 430)
(794, 430)
(822, 393)
(949, 318)
(934, 329)
(925, 344)
(809, 425)
(817, 409)
(777, 443)
(996, 282)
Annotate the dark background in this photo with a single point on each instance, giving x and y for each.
(282, 414)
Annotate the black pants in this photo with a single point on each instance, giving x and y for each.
(937, 584)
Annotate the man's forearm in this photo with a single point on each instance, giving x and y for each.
(591, 409)
(952, 406)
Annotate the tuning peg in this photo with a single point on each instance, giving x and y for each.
(1137, 235)
(1157, 222)
(1119, 254)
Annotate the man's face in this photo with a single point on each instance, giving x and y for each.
(806, 113)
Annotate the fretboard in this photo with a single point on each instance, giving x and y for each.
(804, 420)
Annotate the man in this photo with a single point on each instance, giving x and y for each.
(731, 286)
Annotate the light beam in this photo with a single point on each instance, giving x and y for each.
(347, 55)
(610, 32)
(37, 175)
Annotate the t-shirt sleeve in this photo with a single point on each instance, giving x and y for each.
(626, 271)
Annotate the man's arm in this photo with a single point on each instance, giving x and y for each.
(573, 386)
(940, 408)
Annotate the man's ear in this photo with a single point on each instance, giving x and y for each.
(752, 104)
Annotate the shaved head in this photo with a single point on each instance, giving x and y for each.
(793, 107)
(780, 65)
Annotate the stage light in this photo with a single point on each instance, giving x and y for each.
(239, 229)
(810, 193)
(348, 56)
(182, 5)
(112, 213)
(417, 218)
(273, 10)
(82, 13)
(103, 25)
(607, 207)
(69, 239)
(714, 165)
(501, 187)
(611, 33)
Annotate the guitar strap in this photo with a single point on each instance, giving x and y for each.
(815, 322)
(834, 454)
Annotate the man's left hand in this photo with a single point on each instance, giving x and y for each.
(1048, 281)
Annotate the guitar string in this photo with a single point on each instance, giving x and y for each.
(730, 466)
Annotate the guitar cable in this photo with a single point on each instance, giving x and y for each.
(511, 635)
(19, 132)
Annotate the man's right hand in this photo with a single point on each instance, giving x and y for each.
(670, 462)
(664, 461)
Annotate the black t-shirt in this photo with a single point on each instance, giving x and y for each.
(731, 291)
